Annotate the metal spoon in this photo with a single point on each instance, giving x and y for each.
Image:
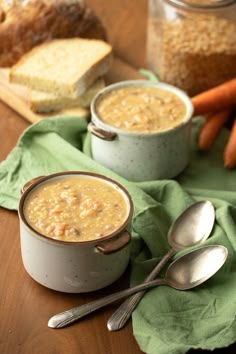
(184, 273)
(192, 227)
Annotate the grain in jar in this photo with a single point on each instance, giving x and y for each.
(191, 44)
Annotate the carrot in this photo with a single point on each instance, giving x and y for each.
(229, 155)
(215, 99)
(210, 129)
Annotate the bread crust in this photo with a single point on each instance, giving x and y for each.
(25, 24)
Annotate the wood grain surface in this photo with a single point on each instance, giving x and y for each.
(26, 306)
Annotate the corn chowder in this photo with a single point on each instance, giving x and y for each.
(75, 209)
(141, 109)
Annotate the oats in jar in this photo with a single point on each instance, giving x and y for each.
(75, 209)
(141, 109)
(191, 43)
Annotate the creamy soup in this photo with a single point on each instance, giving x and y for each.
(141, 109)
(75, 209)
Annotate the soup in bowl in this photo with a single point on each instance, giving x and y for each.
(74, 229)
(141, 130)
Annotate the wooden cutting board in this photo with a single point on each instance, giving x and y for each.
(16, 96)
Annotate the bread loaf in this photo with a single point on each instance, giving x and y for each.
(65, 67)
(27, 23)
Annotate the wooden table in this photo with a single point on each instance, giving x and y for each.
(26, 306)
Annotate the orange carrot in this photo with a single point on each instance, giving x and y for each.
(210, 129)
(230, 149)
(215, 99)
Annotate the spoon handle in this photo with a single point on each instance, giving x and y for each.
(65, 318)
(123, 313)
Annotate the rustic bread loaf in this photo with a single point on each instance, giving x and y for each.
(65, 67)
(42, 102)
(27, 23)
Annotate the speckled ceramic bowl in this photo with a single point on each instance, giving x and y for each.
(141, 156)
(74, 267)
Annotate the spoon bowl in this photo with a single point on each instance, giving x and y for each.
(186, 272)
(195, 267)
(193, 226)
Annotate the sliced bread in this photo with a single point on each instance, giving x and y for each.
(42, 102)
(27, 23)
(65, 67)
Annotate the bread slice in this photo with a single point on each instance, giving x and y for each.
(43, 102)
(65, 67)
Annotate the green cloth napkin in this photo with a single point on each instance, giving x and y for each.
(166, 321)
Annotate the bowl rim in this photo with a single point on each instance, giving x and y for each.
(94, 175)
(145, 83)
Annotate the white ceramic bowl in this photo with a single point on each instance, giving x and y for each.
(74, 267)
(141, 156)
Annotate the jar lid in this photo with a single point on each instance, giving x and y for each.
(203, 3)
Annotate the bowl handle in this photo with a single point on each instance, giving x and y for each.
(115, 244)
(101, 133)
(29, 183)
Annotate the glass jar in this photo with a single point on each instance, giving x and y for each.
(192, 44)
